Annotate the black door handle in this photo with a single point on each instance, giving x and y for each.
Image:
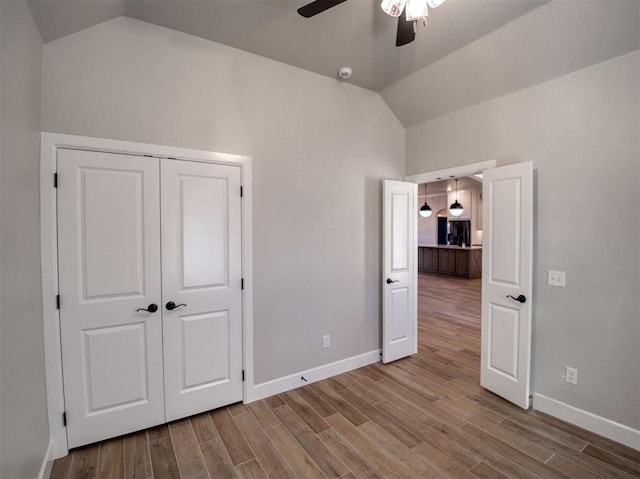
(152, 308)
(389, 280)
(171, 305)
(521, 298)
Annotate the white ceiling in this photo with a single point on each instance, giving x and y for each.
(355, 33)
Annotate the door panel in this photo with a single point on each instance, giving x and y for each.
(204, 229)
(205, 362)
(201, 268)
(507, 271)
(400, 320)
(503, 336)
(109, 266)
(129, 366)
(111, 199)
(505, 245)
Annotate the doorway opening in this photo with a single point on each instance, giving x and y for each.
(505, 343)
(449, 304)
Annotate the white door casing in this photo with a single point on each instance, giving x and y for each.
(109, 266)
(507, 274)
(399, 275)
(201, 268)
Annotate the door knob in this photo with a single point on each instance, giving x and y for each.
(389, 280)
(171, 305)
(521, 298)
(152, 308)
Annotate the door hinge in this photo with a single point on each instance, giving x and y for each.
(243, 375)
(57, 301)
(242, 283)
(64, 419)
(55, 180)
(241, 191)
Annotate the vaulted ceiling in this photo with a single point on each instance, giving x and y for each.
(470, 51)
(356, 33)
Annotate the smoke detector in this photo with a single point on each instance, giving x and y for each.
(344, 73)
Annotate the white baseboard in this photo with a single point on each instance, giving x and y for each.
(586, 420)
(287, 383)
(47, 463)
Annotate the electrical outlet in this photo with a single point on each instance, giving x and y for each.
(326, 341)
(556, 278)
(571, 375)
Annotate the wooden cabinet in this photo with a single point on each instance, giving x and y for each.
(466, 262)
(446, 261)
(430, 259)
(462, 261)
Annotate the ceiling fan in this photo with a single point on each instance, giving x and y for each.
(414, 10)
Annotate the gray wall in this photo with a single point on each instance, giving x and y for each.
(582, 133)
(24, 435)
(320, 148)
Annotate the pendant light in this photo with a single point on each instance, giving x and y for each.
(456, 208)
(425, 210)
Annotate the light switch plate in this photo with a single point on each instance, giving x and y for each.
(556, 278)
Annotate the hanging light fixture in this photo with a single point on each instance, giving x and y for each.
(425, 210)
(456, 208)
(415, 9)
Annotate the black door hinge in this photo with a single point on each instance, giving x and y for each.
(241, 191)
(243, 375)
(64, 419)
(55, 180)
(57, 301)
(242, 283)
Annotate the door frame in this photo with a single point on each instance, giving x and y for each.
(460, 171)
(49, 144)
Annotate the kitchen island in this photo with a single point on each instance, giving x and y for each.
(452, 260)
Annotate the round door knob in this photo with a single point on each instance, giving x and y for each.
(152, 308)
(171, 305)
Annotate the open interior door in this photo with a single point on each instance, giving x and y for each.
(399, 275)
(507, 281)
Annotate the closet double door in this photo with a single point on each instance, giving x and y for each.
(149, 261)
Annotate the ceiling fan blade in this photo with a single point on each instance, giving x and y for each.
(318, 6)
(406, 31)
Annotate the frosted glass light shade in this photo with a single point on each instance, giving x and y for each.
(393, 7)
(425, 210)
(456, 209)
(416, 9)
(434, 3)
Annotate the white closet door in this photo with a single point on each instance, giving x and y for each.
(201, 270)
(109, 267)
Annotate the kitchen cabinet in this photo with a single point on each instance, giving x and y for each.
(452, 260)
(446, 261)
(429, 259)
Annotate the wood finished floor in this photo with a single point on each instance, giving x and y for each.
(420, 417)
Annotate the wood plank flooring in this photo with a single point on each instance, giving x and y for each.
(421, 417)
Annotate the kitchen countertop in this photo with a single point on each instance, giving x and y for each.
(444, 246)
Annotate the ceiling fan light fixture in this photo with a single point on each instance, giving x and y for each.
(434, 3)
(416, 9)
(393, 8)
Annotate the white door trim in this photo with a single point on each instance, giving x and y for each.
(455, 172)
(49, 144)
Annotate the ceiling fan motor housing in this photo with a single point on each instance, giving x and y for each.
(344, 73)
